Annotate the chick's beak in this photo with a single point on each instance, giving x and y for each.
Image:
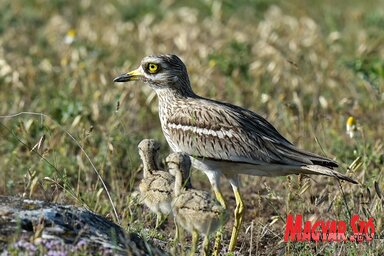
(131, 76)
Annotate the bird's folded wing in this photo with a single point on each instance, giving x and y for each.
(226, 132)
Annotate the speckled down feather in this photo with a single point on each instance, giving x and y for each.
(197, 210)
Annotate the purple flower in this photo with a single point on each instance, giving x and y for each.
(25, 246)
(81, 244)
(56, 253)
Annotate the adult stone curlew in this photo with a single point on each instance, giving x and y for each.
(221, 138)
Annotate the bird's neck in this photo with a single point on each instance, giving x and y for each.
(148, 166)
(182, 183)
(170, 98)
(171, 94)
(179, 89)
(169, 101)
(178, 183)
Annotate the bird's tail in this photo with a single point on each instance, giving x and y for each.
(321, 170)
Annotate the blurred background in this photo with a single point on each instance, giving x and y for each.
(307, 66)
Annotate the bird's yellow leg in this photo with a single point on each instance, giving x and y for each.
(177, 233)
(220, 198)
(206, 245)
(218, 238)
(159, 220)
(239, 210)
(179, 236)
(195, 239)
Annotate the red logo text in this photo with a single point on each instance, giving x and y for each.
(328, 231)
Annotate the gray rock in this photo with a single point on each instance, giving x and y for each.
(33, 225)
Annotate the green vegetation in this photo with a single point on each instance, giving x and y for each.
(305, 65)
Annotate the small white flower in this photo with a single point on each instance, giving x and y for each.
(351, 126)
(70, 36)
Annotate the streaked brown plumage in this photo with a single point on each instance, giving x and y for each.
(195, 210)
(221, 138)
(156, 187)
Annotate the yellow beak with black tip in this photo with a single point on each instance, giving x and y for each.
(130, 76)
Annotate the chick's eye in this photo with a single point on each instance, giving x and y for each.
(153, 68)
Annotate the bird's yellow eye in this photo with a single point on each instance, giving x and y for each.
(153, 68)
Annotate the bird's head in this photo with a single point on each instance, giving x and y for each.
(179, 163)
(160, 72)
(149, 150)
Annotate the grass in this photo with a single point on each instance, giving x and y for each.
(305, 65)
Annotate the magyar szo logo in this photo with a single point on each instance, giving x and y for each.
(330, 230)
